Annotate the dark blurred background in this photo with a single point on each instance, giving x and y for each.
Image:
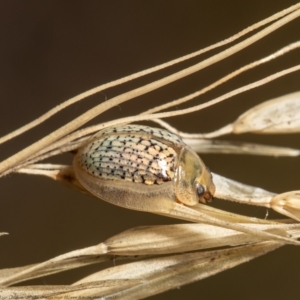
(53, 50)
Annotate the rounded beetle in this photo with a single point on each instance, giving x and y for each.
(127, 164)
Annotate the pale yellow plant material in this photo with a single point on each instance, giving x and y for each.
(157, 274)
(151, 240)
(148, 277)
(232, 147)
(287, 204)
(185, 237)
(104, 287)
(68, 144)
(276, 116)
(279, 115)
(24, 154)
(224, 79)
(232, 190)
(100, 88)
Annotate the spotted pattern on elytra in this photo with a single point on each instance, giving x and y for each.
(143, 130)
(133, 153)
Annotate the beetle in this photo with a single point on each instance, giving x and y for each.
(131, 165)
(151, 170)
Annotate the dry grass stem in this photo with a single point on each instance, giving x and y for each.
(144, 72)
(92, 113)
(71, 145)
(142, 241)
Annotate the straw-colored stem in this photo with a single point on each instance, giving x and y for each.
(85, 117)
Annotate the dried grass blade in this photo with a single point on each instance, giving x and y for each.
(287, 204)
(102, 87)
(49, 170)
(195, 108)
(92, 113)
(96, 289)
(232, 147)
(154, 240)
(67, 143)
(71, 260)
(222, 80)
(30, 292)
(64, 291)
(162, 274)
(4, 273)
(18, 161)
(232, 190)
(182, 212)
(229, 216)
(141, 241)
(279, 115)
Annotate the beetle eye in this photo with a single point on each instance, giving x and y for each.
(200, 190)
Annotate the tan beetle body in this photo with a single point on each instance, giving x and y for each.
(130, 165)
